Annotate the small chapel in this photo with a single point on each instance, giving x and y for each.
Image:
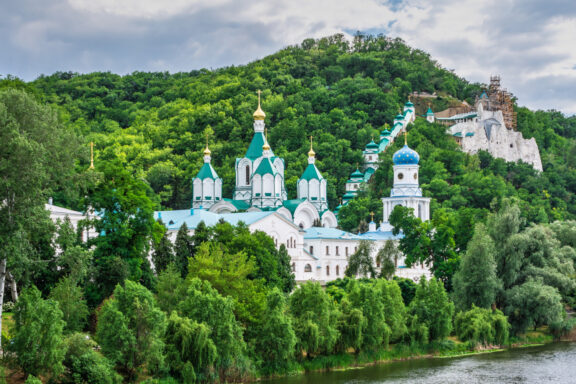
(260, 184)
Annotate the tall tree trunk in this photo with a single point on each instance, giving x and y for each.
(2, 281)
(13, 287)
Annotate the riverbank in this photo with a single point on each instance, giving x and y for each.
(401, 352)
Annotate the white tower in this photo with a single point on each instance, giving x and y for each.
(371, 155)
(406, 190)
(312, 186)
(206, 186)
(429, 115)
(267, 182)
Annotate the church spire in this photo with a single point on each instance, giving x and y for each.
(91, 155)
(266, 146)
(259, 113)
(207, 151)
(311, 153)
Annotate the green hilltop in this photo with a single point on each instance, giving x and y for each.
(341, 92)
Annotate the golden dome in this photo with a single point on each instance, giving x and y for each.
(311, 153)
(207, 151)
(259, 113)
(266, 146)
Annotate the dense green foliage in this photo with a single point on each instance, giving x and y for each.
(222, 305)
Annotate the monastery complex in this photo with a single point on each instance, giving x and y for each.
(319, 251)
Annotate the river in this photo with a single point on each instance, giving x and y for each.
(552, 363)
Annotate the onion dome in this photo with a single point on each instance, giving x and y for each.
(207, 151)
(311, 152)
(259, 113)
(372, 145)
(406, 156)
(356, 174)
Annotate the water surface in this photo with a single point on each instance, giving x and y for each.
(552, 363)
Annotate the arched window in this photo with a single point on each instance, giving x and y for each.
(327, 250)
(311, 250)
(293, 267)
(247, 175)
(337, 270)
(308, 268)
(327, 270)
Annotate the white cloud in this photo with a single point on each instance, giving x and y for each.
(529, 43)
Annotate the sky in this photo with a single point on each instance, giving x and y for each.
(531, 44)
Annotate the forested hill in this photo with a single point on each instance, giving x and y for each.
(343, 93)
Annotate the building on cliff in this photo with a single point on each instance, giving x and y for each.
(491, 126)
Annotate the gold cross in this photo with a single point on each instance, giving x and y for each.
(258, 92)
(405, 137)
(371, 216)
(91, 155)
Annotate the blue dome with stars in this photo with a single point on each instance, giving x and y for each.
(406, 156)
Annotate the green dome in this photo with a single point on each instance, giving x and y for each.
(372, 145)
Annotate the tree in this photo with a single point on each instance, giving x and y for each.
(126, 226)
(360, 263)
(533, 304)
(189, 343)
(85, 365)
(171, 289)
(204, 304)
(394, 308)
(276, 338)
(287, 280)
(482, 326)
(70, 299)
(315, 318)
(431, 242)
(433, 308)
(162, 254)
(31, 135)
(229, 273)
(476, 282)
(38, 341)
(130, 329)
(351, 325)
(183, 249)
(387, 258)
(368, 298)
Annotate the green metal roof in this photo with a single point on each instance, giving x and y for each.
(385, 132)
(399, 117)
(291, 205)
(266, 167)
(240, 205)
(429, 112)
(356, 174)
(372, 145)
(207, 172)
(458, 134)
(311, 172)
(409, 104)
(255, 148)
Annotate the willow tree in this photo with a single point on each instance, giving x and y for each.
(37, 155)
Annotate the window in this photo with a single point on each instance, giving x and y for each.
(337, 270)
(337, 251)
(293, 267)
(327, 250)
(400, 176)
(327, 270)
(308, 268)
(355, 249)
(311, 250)
(415, 176)
(287, 243)
(346, 249)
(377, 264)
(247, 175)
